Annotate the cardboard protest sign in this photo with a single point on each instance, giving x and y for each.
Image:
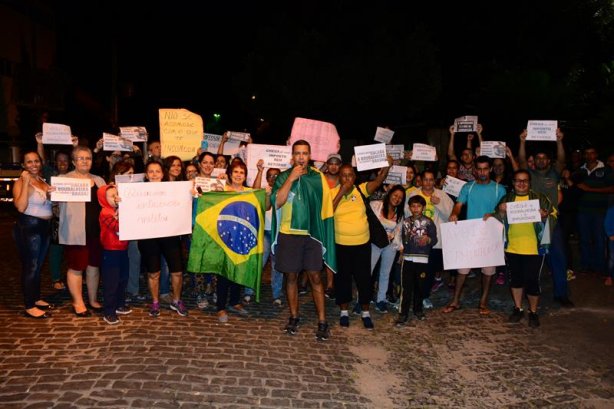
(181, 132)
(322, 137)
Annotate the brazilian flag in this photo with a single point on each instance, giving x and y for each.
(228, 236)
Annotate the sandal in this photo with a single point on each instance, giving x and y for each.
(451, 308)
(484, 310)
(58, 285)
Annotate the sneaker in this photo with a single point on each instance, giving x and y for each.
(125, 310)
(277, 302)
(222, 317)
(302, 290)
(516, 316)
(202, 302)
(111, 319)
(437, 285)
(571, 275)
(238, 309)
(565, 302)
(292, 326)
(420, 315)
(608, 282)
(247, 299)
(166, 298)
(180, 308)
(357, 309)
(344, 321)
(154, 309)
(427, 304)
(329, 293)
(472, 274)
(135, 298)
(382, 307)
(533, 319)
(401, 320)
(500, 278)
(322, 333)
(214, 298)
(368, 323)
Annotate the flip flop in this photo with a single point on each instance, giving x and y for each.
(451, 308)
(484, 311)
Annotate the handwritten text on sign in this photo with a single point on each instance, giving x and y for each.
(322, 136)
(472, 244)
(180, 133)
(70, 189)
(56, 134)
(274, 156)
(424, 152)
(370, 156)
(541, 130)
(149, 210)
(526, 211)
(453, 185)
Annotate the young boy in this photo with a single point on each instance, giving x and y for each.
(419, 235)
(114, 267)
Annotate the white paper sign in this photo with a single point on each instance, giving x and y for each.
(217, 171)
(542, 130)
(213, 143)
(56, 134)
(115, 143)
(70, 189)
(274, 156)
(383, 135)
(472, 244)
(526, 211)
(397, 175)
(238, 136)
(133, 133)
(396, 152)
(149, 210)
(134, 178)
(421, 151)
(493, 149)
(370, 156)
(453, 185)
(467, 123)
(208, 184)
(322, 137)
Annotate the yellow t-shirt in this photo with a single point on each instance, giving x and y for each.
(286, 218)
(429, 209)
(521, 236)
(351, 225)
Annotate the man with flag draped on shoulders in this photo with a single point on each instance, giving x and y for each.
(228, 236)
(303, 232)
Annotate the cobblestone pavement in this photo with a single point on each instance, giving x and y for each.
(450, 360)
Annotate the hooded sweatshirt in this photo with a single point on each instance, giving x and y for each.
(109, 225)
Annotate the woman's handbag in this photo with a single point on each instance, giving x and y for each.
(377, 232)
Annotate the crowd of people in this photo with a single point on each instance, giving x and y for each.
(317, 231)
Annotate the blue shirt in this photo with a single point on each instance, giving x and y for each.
(480, 199)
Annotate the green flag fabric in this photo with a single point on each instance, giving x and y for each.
(228, 236)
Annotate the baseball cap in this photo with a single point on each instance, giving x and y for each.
(334, 156)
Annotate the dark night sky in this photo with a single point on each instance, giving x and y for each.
(397, 63)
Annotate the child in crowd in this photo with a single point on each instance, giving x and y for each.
(114, 267)
(419, 235)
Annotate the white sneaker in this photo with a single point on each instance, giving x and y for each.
(427, 304)
(201, 302)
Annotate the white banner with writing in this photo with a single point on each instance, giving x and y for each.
(421, 151)
(467, 123)
(541, 130)
(493, 149)
(472, 244)
(453, 185)
(396, 152)
(211, 143)
(383, 135)
(370, 156)
(525, 211)
(274, 156)
(397, 175)
(133, 133)
(56, 134)
(150, 210)
(71, 189)
(115, 143)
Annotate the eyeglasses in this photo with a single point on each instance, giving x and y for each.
(83, 159)
(521, 180)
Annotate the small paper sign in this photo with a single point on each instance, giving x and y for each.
(370, 156)
(542, 130)
(211, 143)
(467, 123)
(421, 151)
(493, 149)
(217, 171)
(396, 152)
(383, 135)
(134, 178)
(239, 136)
(56, 134)
(453, 185)
(274, 156)
(526, 211)
(209, 184)
(70, 189)
(397, 175)
(133, 133)
(116, 143)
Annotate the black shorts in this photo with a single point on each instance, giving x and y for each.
(295, 253)
(169, 247)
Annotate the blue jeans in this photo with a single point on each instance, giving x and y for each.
(134, 259)
(387, 254)
(114, 270)
(32, 237)
(557, 262)
(592, 241)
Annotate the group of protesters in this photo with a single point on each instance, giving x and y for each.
(317, 229)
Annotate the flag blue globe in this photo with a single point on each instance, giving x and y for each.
(237, 226)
